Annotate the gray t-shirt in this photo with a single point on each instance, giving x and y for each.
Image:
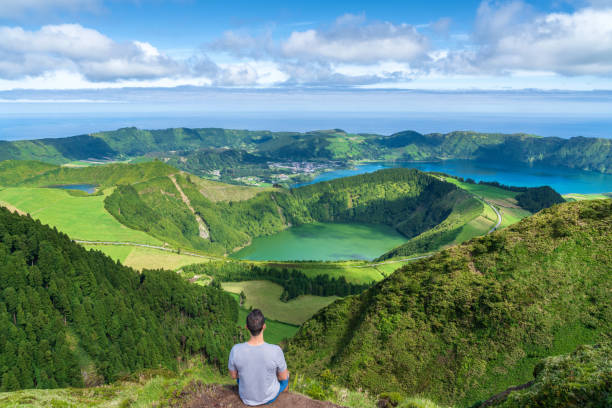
(257, 367)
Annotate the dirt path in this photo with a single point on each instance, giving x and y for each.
(11, 208)
(280, 211)
(198, 395)
(201, 224)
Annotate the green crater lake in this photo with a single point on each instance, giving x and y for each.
(323, 242)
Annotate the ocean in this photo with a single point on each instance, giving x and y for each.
(34, 126)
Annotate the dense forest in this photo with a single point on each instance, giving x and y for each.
(578, 152)
(475, 319)
(405, 199)
(538, 198)
(72, 317)
(294, 282)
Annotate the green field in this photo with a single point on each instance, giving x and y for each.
(141, 258)
(265, 295)
(80, 217)
(275, 331)
(580, 197)
(504, 200)
(483, 190)
(216, 191)
(353, 271)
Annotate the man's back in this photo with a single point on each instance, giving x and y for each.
(257, 368)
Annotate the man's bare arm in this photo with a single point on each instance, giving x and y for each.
(233, 374)
(282, 375)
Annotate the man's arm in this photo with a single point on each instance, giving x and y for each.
(231, 366)
(281, 372)
(282, 375)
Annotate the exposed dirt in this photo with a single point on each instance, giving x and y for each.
(201, 224)
(199, 395)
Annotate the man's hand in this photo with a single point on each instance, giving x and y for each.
(283, 375)
(233, 374)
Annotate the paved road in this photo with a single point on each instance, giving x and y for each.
(499, 221)
(499, 217)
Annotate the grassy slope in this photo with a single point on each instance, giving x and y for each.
(80, 217)
(137, 391)
(580, 379)
(147, 258)
(474, 319)
(105, 175)
(580, 197)
(15, 171)
(215, 191)
(265, 295)
(466, 222)
(503, 200)
(353, 271)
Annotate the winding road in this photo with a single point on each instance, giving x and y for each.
(499, 217)
(499, 221)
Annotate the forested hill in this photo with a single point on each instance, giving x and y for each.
(72, 317)
(473, 320)
(406, 199)
(578, 152)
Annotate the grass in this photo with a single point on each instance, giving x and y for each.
(141, 258)
(139, 391)
(353, 271)
(81, 218)
(150, 388)
(116, 252)
(580, 197)
(265, 295)
(216, 191)
(483, 190)
(504, 200)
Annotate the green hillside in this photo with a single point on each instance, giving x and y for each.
(72, 317)
(405, 199)
(474, 319)
(580, 379)
(193, 149)
(13, 172)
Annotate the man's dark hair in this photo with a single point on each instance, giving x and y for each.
(255, 321)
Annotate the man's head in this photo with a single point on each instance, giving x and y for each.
(255, 322)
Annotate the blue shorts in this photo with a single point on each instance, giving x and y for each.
(283, 386)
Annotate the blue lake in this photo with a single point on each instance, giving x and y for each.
(563, 180)
(88, 188)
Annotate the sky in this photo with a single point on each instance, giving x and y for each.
(417, 45)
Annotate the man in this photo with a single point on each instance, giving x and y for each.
(258, 367)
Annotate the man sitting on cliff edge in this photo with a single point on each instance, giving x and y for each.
(258, 367)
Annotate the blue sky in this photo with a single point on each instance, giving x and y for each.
(446, 45)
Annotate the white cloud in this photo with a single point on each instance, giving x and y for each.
(72, 47)
(351, 39)
(578, 43)
(21, 8)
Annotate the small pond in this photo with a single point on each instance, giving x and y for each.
(88, 188)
